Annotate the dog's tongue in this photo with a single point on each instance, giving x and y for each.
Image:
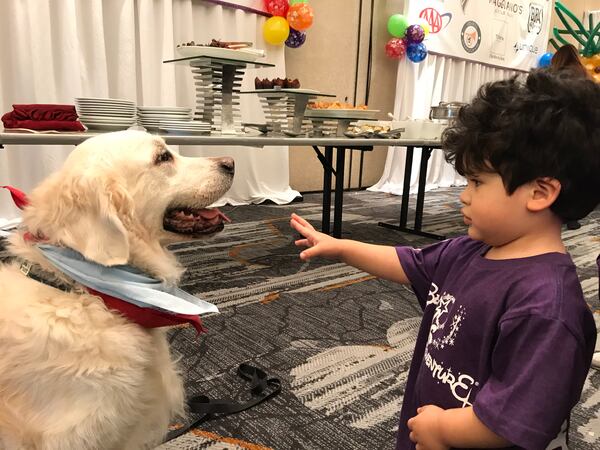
(210, 214)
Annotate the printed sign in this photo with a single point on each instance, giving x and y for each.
(506, 33)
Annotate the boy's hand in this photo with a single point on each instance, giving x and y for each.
(425, 428)
(319, 244)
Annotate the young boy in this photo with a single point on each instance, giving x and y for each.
(506, 338)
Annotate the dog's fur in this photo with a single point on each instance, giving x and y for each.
(74, 375)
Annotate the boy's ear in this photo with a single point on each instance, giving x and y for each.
(544, 192)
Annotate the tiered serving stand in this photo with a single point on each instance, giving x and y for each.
(284, 108)
(321, 118)
(218, 82)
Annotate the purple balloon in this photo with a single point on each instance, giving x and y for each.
(415, 34)
(295, 39)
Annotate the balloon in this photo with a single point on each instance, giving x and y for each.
(276, 30)
(293, 2)
(397, 25)
(295, 39)
(416, 52)
(425, 25)
(300, 16)
(545, 59)
(415, 34)
(395, 48)
(277, 7)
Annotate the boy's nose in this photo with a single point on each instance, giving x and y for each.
(464, 197)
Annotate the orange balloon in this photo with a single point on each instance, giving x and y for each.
(300, 16)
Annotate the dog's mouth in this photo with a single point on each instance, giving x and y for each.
(194, 221)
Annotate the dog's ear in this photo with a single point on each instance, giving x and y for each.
(85, 213)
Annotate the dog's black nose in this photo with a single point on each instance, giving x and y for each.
(227, 165)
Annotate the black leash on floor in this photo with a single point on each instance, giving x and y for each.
(262, 388)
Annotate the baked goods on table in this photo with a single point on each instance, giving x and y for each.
(380, 129)
(243, 51)
(218, 43)
(281, 83)
(335, 105)
(364, 128)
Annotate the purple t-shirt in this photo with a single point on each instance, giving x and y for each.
(512, 338)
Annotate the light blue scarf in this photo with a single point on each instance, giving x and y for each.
(125, 282)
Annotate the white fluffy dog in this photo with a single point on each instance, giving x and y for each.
(75, 375)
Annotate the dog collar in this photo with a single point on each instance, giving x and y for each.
(35, 272)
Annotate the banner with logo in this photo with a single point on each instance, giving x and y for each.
(504, 33)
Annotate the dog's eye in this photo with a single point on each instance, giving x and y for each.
(164, 157)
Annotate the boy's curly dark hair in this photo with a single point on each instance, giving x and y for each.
(547, 126)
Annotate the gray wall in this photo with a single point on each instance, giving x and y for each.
(334, 60)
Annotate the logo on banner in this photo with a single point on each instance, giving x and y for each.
(525, 46)
(536, 18)
(470, 36)
(506, 7)
(499, 39)
(435, 19)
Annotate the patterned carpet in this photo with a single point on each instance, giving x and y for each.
(339, 340)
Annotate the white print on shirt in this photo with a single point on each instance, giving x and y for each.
(442, 334)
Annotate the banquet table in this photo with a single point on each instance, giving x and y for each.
(323, 146)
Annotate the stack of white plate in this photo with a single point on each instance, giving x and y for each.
(189, 127)
(150, 117)
(107, 114)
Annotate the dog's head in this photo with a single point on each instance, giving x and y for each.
(120, 197)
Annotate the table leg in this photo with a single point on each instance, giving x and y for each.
(425, 155)
(406, 186)
(339, 191)
(327, 172)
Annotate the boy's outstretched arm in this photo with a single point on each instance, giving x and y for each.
(379, 260)
(434, 428)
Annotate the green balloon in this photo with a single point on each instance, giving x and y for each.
(397, 25)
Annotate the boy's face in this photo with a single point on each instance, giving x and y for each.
(492, 215)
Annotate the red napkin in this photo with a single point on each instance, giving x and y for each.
(44, 112)
(43, 117)
(41, 125)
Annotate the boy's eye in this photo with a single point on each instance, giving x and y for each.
(475, 182)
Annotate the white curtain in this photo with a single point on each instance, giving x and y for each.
(55, 50)
(418, 87)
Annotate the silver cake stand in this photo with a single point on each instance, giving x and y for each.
(218, 82)
(284, 108)
(343, 117)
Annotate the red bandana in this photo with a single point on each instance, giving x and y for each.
(18, 197)
(145, 317)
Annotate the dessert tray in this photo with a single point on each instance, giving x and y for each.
(276, 91)
(198, 51)
(341, 113)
